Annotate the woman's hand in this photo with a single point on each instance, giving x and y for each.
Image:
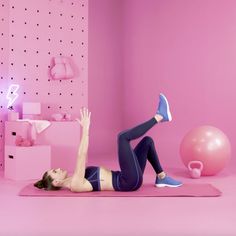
(84, 120)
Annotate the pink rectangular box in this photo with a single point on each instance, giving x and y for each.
(26, 163)
(33, 108)
(12, 115)
(14, 128)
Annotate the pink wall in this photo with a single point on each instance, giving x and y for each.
(105, 89)
(186, 49)
(137, 49)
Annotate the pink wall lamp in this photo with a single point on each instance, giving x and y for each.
(12, 95)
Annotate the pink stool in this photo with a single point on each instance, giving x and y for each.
(26, 163)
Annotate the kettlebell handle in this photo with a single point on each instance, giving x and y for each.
(199, 163)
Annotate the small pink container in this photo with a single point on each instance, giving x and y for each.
(12, 115)
(33, 108)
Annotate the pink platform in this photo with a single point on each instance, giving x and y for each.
(24, 163)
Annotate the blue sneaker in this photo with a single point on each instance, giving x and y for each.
(164, 108)
(167, 182)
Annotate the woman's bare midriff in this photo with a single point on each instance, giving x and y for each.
(105, 179)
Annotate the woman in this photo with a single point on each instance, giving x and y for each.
(132, 162)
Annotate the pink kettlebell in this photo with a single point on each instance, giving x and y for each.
(195, 168)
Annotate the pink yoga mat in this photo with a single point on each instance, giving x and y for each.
(147, 190)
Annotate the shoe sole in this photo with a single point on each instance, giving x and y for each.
(168, 107)
(167, 185)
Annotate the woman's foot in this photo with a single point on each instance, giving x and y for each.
(164, 108)
(167, 181)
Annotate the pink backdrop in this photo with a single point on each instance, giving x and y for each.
(185, 49)
(137, 49)
(105, 87)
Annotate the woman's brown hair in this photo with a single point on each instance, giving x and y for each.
(46, 183)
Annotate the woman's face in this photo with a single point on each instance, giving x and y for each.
(58, 174)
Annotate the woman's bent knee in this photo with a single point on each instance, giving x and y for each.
(131, 184)
(122, 135)
(134, 185)
(148, 139)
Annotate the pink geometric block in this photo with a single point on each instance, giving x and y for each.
(26, 163)
(12, 115)
(33, 108)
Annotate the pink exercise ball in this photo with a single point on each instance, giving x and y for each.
(208, 145)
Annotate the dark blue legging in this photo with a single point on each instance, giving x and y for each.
(133, 162)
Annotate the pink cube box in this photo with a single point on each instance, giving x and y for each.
(26, 163)
(33, 108)
(12, 115)
(14, 128)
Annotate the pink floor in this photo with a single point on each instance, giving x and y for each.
(206, 216)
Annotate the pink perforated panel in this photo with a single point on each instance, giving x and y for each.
(33, 33)
(4, 55)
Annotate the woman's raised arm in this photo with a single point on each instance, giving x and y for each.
(78, 179)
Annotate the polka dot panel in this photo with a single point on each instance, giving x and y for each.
(33, 33)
